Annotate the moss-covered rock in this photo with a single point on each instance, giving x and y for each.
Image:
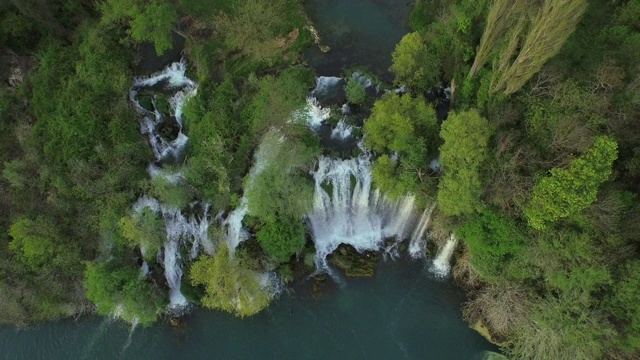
(353, 263)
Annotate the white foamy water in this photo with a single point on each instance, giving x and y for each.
(418, 243)
(347, 210)
(442, 263)
(172, 78)
(326, 85)
(180, 230)
(342, 131)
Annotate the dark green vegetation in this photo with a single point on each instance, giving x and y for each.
(539, 176)
(74, 161)
(539, 157)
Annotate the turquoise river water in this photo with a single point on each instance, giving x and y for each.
(400, 313)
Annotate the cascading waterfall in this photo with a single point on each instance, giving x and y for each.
(346, 209)
(418, 244)
(179, 229)
(342, 131)
(441, 264)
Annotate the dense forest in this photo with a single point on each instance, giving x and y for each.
(538, 173)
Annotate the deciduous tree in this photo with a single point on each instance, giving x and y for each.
(465, 148)
(567, 191)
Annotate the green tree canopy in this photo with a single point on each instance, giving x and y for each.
(32, 241)
(120, 289)
(405, 127)
(413, 64)
(567, 191)
(465, 148)
(492, 240)
(229, 285)
(145, 230)
(355, 92)
(282, 238)
(147, 20)
(623, 305)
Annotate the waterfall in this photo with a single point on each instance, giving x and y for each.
(346, 207)
(342, 131)
(441, 264)
(312, 114)
(327, 87)
(180, 230)
(171, 78)
(418, 244)
(347, 211)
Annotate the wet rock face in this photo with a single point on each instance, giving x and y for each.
(353, 263)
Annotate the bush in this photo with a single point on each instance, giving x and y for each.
(121, 290)
(356, 93)
(492, 240)
(282, 238)
(229, 286)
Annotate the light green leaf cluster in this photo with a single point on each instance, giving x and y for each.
(229, 286)
(148, 20)
(145, 230)
(32, 242)
(121, 290)
(407, 127)
(465, 148)
(413, 65)
(570, 190)
(355, 92)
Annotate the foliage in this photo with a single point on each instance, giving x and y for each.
(146, 230)
(405, 127)
(278, 187)
(260, 28)
(524, 55)
(570, 190)
(121, 290)
(147, 20)
(465, 138)
(277, 97)
(623, 305)
(282, 238)
(356, 93)
(32, 241)
(492, 240)
(177, 195)
(558, 331)
(413, 64)
(229, 286)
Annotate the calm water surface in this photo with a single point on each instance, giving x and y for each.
(360, 33)
(401, 313)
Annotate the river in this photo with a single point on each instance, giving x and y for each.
(400, 313)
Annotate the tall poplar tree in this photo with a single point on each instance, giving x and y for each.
(522, 36)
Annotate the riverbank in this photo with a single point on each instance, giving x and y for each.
(401, 312)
